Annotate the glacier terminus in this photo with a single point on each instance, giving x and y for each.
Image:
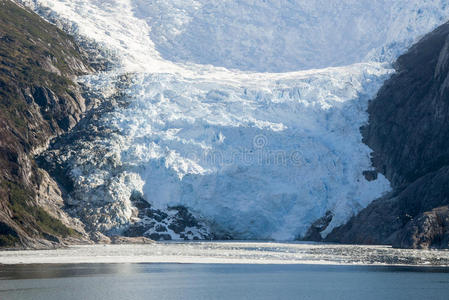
(241, 117)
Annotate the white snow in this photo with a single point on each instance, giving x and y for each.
(261, 155)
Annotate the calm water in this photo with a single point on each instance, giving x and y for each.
(225, 270)
(221, 281)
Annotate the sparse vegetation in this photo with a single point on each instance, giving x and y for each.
(29, 47)
(33, 55)
(33, 217)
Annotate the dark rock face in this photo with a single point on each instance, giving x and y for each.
(409, 119)
(429, 230)
(159, 225)
(38, 100)
(314, 232)
(408, 130)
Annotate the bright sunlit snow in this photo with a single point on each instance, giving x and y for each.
(259, 155)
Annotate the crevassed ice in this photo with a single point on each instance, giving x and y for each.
(261, 155)
(262, 160)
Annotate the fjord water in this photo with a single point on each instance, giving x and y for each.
(225, 270)
(221, 281)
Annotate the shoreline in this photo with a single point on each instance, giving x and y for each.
(234, 252)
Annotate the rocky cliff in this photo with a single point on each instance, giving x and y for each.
(38, 101)
(408, 130)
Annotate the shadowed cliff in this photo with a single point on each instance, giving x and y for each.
(408, 130)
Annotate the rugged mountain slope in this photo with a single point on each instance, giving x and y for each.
(38, 100)
(409, 132)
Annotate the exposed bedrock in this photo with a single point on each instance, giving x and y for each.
(39, 99)
(408, 130)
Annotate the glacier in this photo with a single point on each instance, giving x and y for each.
(245, 112)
